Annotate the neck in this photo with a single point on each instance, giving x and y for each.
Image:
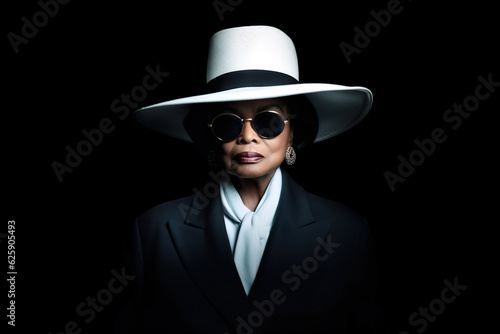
(251, 190)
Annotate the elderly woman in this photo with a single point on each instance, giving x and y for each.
(261, 255)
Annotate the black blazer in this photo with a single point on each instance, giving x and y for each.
(317, 274)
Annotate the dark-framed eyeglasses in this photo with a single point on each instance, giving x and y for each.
(267, 124)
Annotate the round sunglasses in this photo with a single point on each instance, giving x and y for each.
(267, 124)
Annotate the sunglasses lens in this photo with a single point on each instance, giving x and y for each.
(226, 127)
(268, 124)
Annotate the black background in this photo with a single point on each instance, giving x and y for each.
(439, 224)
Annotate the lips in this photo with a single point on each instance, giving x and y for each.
(248, 157)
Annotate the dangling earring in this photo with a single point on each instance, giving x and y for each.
(290, 156)
(212, 161)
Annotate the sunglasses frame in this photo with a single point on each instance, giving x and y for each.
(251, 120)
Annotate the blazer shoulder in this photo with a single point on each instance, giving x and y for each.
(175, 210)
(324, 208)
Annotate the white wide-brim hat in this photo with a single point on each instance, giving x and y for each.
(260, 62)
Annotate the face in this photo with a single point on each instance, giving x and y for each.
(250, 156)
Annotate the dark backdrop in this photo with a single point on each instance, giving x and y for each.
(439, 224)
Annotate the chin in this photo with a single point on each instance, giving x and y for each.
(250, 171)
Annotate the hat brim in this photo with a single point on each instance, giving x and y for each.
(338, 107)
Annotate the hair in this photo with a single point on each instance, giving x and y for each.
(303, 122)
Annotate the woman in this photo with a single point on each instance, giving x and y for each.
(258, 254)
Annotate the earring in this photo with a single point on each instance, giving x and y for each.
(290, 156)
(212, 161)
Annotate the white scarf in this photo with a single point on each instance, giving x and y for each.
(248, 231)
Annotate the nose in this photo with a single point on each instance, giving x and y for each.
(248, 135)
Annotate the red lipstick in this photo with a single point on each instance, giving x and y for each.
(248, 157)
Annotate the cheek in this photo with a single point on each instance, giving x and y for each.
(278, 146)
(283, 140)
(226, 152)
(274, 149)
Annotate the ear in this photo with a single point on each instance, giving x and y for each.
(290, 132)
(290, 138)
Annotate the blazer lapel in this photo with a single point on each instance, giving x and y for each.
(204, 249)
(293, 238)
